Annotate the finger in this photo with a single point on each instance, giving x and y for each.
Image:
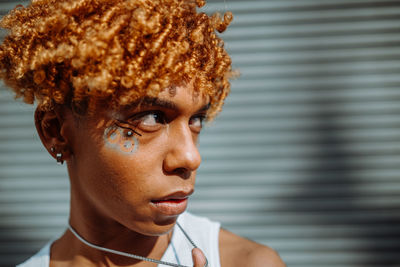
(199, 260)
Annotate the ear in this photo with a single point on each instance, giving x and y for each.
(51, 127)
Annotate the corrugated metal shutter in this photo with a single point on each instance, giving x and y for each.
(305, 156)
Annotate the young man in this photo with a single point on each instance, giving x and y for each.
(123, 88)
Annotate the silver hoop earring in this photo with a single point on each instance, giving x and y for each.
(59, 158)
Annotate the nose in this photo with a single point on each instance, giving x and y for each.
(183, 156)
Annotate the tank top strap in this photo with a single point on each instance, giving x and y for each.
(204, 234)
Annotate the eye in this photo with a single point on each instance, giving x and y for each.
(151, 121)
(152, 118)
(125, 131)
(196, 122)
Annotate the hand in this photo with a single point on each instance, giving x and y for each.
(199, 260)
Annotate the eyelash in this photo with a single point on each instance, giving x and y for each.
(202, 118)
(161, 117)
(130, 130)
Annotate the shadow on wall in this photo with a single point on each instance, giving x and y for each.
(347, 192)
(351, 185)
(33, 189)
(15, 247)
(361, 222)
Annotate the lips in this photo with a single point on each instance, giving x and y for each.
(173, 204)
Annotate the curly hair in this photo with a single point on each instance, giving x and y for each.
(75, 52)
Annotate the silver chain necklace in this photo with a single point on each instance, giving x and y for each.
(133, 256)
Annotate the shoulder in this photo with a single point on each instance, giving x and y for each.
(238, 251)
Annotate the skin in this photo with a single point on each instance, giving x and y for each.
(122, 140)
(113, 189)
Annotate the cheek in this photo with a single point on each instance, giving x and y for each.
(123, 164)
(116, 139)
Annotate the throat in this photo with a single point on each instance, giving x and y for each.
(72, 249)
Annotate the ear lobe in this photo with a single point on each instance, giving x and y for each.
(49, 127)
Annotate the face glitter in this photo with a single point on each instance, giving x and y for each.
(121, 139)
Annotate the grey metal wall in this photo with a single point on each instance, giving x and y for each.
(305, 156)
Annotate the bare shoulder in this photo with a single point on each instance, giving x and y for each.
(238, 251)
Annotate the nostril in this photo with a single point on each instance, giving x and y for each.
(183, 173)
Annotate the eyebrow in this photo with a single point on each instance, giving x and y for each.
(148, 101)
(156, 102)
(205, 108)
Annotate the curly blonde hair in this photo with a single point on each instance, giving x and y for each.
(75, 52)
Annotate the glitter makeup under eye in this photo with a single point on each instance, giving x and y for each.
(116, 138)
(113, 137)
(128, 144)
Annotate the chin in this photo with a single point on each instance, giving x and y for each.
(158, 230)
(157, 227)
(165, 225)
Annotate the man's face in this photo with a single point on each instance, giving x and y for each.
(137, 166)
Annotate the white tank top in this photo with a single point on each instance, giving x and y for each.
(202, 231)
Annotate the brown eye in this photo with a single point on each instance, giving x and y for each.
(151, 121)
(196, 123)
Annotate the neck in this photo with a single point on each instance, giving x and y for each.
(80, 254)
(106, 233)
